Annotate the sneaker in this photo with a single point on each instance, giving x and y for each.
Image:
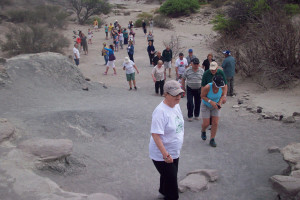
(135, 87)
(203, 135)
(197, 118)
(190, 119)
(105, 73)
(212, 143)
(130, 89)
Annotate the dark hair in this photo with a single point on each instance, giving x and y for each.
(180, 54)
(111, 47)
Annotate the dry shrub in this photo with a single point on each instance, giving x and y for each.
(161, 21)
(175, 45)
(33, 39)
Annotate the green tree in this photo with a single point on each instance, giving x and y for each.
(177, 8)
(84, 9)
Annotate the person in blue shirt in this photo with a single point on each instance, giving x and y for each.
(228, 66)
(130, 50)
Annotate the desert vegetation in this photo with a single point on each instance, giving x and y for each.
(265, 37)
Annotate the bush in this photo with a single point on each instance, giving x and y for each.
(33, 39)
(127, 13)
(161, 21)
(217, 3)
(138, 23)
(292, 9)
(223, 24)
(176, 8)
(144, 16)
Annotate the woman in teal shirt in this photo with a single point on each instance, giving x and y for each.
(212, 96)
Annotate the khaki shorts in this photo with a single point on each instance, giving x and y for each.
(207, 112)
(168, 64)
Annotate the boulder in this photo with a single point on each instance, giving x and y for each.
(240, 101)
(235, 106)
(6, 129)
(47, 149)
(193, 182)
(101, 196)
(259, 110)
(289, 119)
(211, 174)
(274, 149)
(296, 174)
(291, 154)
(286, 185)
(296, 114)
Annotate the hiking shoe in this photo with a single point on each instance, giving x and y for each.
(212, 143)
(135, 87)
(190, 119)
(203, 135)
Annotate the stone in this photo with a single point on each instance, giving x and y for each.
(101, 196)
(289, 119)
(247, 98)
(259, 107)
(6, 129)
(291, 154)
(296, 174)
(249, 108)
(193, 182)
(286, 185)
(259, 110)
(260, 118)
(47, 149)
(240, 101)
(85, 88)
(274, 149)
(211, 174)
(296, 114)
(87, 79)
(235, 106)
(237, 110)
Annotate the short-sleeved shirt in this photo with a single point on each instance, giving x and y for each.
(206, 64)
(169, 124)
(189, 59)
(167, 55)
(110, 27)
(106, 29)
(76, 52)
(181, 64)
(159, 73)
(129, 67)
(228, 66)
(208, 76)
(193, 79)
(156, 59)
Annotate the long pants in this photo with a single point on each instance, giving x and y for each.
(106, 59)
(230, 83)
(151, 56)
(125, 40)
(121, 44)
(168, 178)
(193, 101)
(159, 85)
(131, 57)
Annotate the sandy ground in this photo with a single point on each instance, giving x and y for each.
(111, 133)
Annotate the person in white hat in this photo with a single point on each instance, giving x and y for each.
(129, 67)
(167, 132)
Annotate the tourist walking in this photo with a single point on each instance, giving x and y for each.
(157, 58)
(121, 39)
(90, 35)
(76, 54)
(144, 27)
(129, 67)
(110, 30)
(180, 65)
(150, 37)
(207, 61)
(151, 24)
(125, 35)
(105, 53)
(159, 77)
(151, 51)
(130, 50)
(84, 44)
(190, 57)
(95, 23)
(106, 31)
(168, 55)
(167, 129)
(228, 66)
(212, 99)
(193, 78)
(111, 60)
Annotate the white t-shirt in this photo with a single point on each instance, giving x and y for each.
(169, 124)
(181, 64)
(75, 51)
(159, 73)
(121, 38)
(129, 67)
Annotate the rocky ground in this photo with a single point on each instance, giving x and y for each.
(106, 129)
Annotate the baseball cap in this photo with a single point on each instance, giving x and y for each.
(126, 60)
(173, 88)
(227, 52)
(213, 65)
(196, 61)
(190, 50)
(219, 81)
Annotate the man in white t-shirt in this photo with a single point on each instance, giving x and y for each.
(180, 65)
(76, 54)
(129, 67)
(167, 129)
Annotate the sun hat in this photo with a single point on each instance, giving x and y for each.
(213, 65)
(196, 61)
(190, 50)
(126, 60)
(227, 52)
(173, 88)
(219, 81)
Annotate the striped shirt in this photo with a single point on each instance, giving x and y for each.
(193, 79)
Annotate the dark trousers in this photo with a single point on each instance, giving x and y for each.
(168, 178)
(125, 40)
(193, 101)
(159, 85)
(230, 86)
(151, 56)
(131, 57)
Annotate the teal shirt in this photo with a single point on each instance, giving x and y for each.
(228, 66)
(212, 96)
(208, 76)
